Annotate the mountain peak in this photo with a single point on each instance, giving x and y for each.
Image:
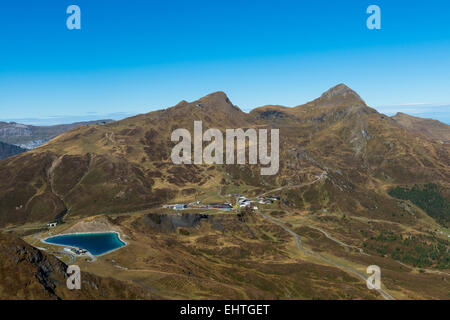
(341, 90)
(215, 106)
(218, 102)
(404, 115)
(216, 97)
(340, 95)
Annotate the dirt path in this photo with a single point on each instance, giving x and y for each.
(281, 224)
(288, 187)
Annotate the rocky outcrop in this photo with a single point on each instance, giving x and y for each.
(171, 222)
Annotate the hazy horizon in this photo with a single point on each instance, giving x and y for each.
(426, 111)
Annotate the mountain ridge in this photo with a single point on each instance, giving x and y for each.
(125, 165)
(431, 128)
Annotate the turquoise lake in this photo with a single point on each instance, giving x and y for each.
(96, 243)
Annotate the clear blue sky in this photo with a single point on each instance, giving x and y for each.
(136, 56)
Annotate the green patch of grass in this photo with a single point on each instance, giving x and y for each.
(418, 251)
(428, 199)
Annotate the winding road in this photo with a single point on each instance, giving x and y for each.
(281, 224)
(338, 241)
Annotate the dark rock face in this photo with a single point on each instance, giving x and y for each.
(170, 222)
(47, 271)
(271, 115)
(9, 150)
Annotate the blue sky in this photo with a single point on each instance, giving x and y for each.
(136, 56)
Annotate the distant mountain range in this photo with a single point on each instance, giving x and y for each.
(31, 137)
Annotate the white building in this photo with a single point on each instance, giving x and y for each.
(245, 203)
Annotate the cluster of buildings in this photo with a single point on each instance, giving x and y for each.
(241, 202)
(244, 202)
(268, 200)
(198, 205)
